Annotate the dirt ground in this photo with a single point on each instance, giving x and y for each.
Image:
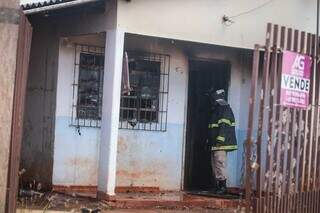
(58, 202)
(138, 211)
(199, 210)
(173, 211)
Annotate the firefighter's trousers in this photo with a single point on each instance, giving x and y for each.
(219, 164)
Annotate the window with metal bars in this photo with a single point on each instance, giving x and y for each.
(145, 106)
(87, 86)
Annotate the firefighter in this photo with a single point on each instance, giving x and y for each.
(221, 137)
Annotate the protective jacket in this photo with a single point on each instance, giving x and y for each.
(221, 129)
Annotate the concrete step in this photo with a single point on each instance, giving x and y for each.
(170, 200)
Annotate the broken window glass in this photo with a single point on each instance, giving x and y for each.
(89, 89)
(87, 86)
(141, 106)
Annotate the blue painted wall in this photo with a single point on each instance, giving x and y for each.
(75, 156)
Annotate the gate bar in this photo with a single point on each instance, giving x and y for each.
(263, 95)
(254, 82)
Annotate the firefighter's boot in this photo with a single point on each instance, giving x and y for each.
(221, 187)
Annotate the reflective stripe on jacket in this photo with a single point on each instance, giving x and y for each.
(221, 129)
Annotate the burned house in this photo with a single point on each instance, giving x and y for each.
(83, 133)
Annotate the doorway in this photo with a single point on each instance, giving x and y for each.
(203, 75)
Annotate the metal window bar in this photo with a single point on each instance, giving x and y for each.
(146, 106)
(87, 86)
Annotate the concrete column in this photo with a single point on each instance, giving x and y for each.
(110, 113)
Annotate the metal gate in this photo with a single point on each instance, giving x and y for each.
(282, 147)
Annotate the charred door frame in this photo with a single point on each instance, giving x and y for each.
(21, 76)
(187, 151)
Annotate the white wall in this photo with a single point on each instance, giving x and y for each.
(146, 159)
(201, 20)
(75, 156)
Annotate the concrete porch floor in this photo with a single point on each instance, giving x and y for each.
(130, 203)
(170, 200)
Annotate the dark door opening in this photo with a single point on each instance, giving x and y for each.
(203, 75)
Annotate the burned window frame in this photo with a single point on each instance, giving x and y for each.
(152, 114)
(87, 119)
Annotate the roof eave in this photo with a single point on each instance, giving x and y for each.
(57, 6)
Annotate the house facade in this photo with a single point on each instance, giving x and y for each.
(86, 133)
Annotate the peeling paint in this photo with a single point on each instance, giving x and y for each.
(122, 146)
(141, 174)
(79, 161)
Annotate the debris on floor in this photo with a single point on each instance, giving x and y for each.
(58, 201)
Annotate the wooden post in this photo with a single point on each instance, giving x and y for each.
(16, 32)
(9, 20)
